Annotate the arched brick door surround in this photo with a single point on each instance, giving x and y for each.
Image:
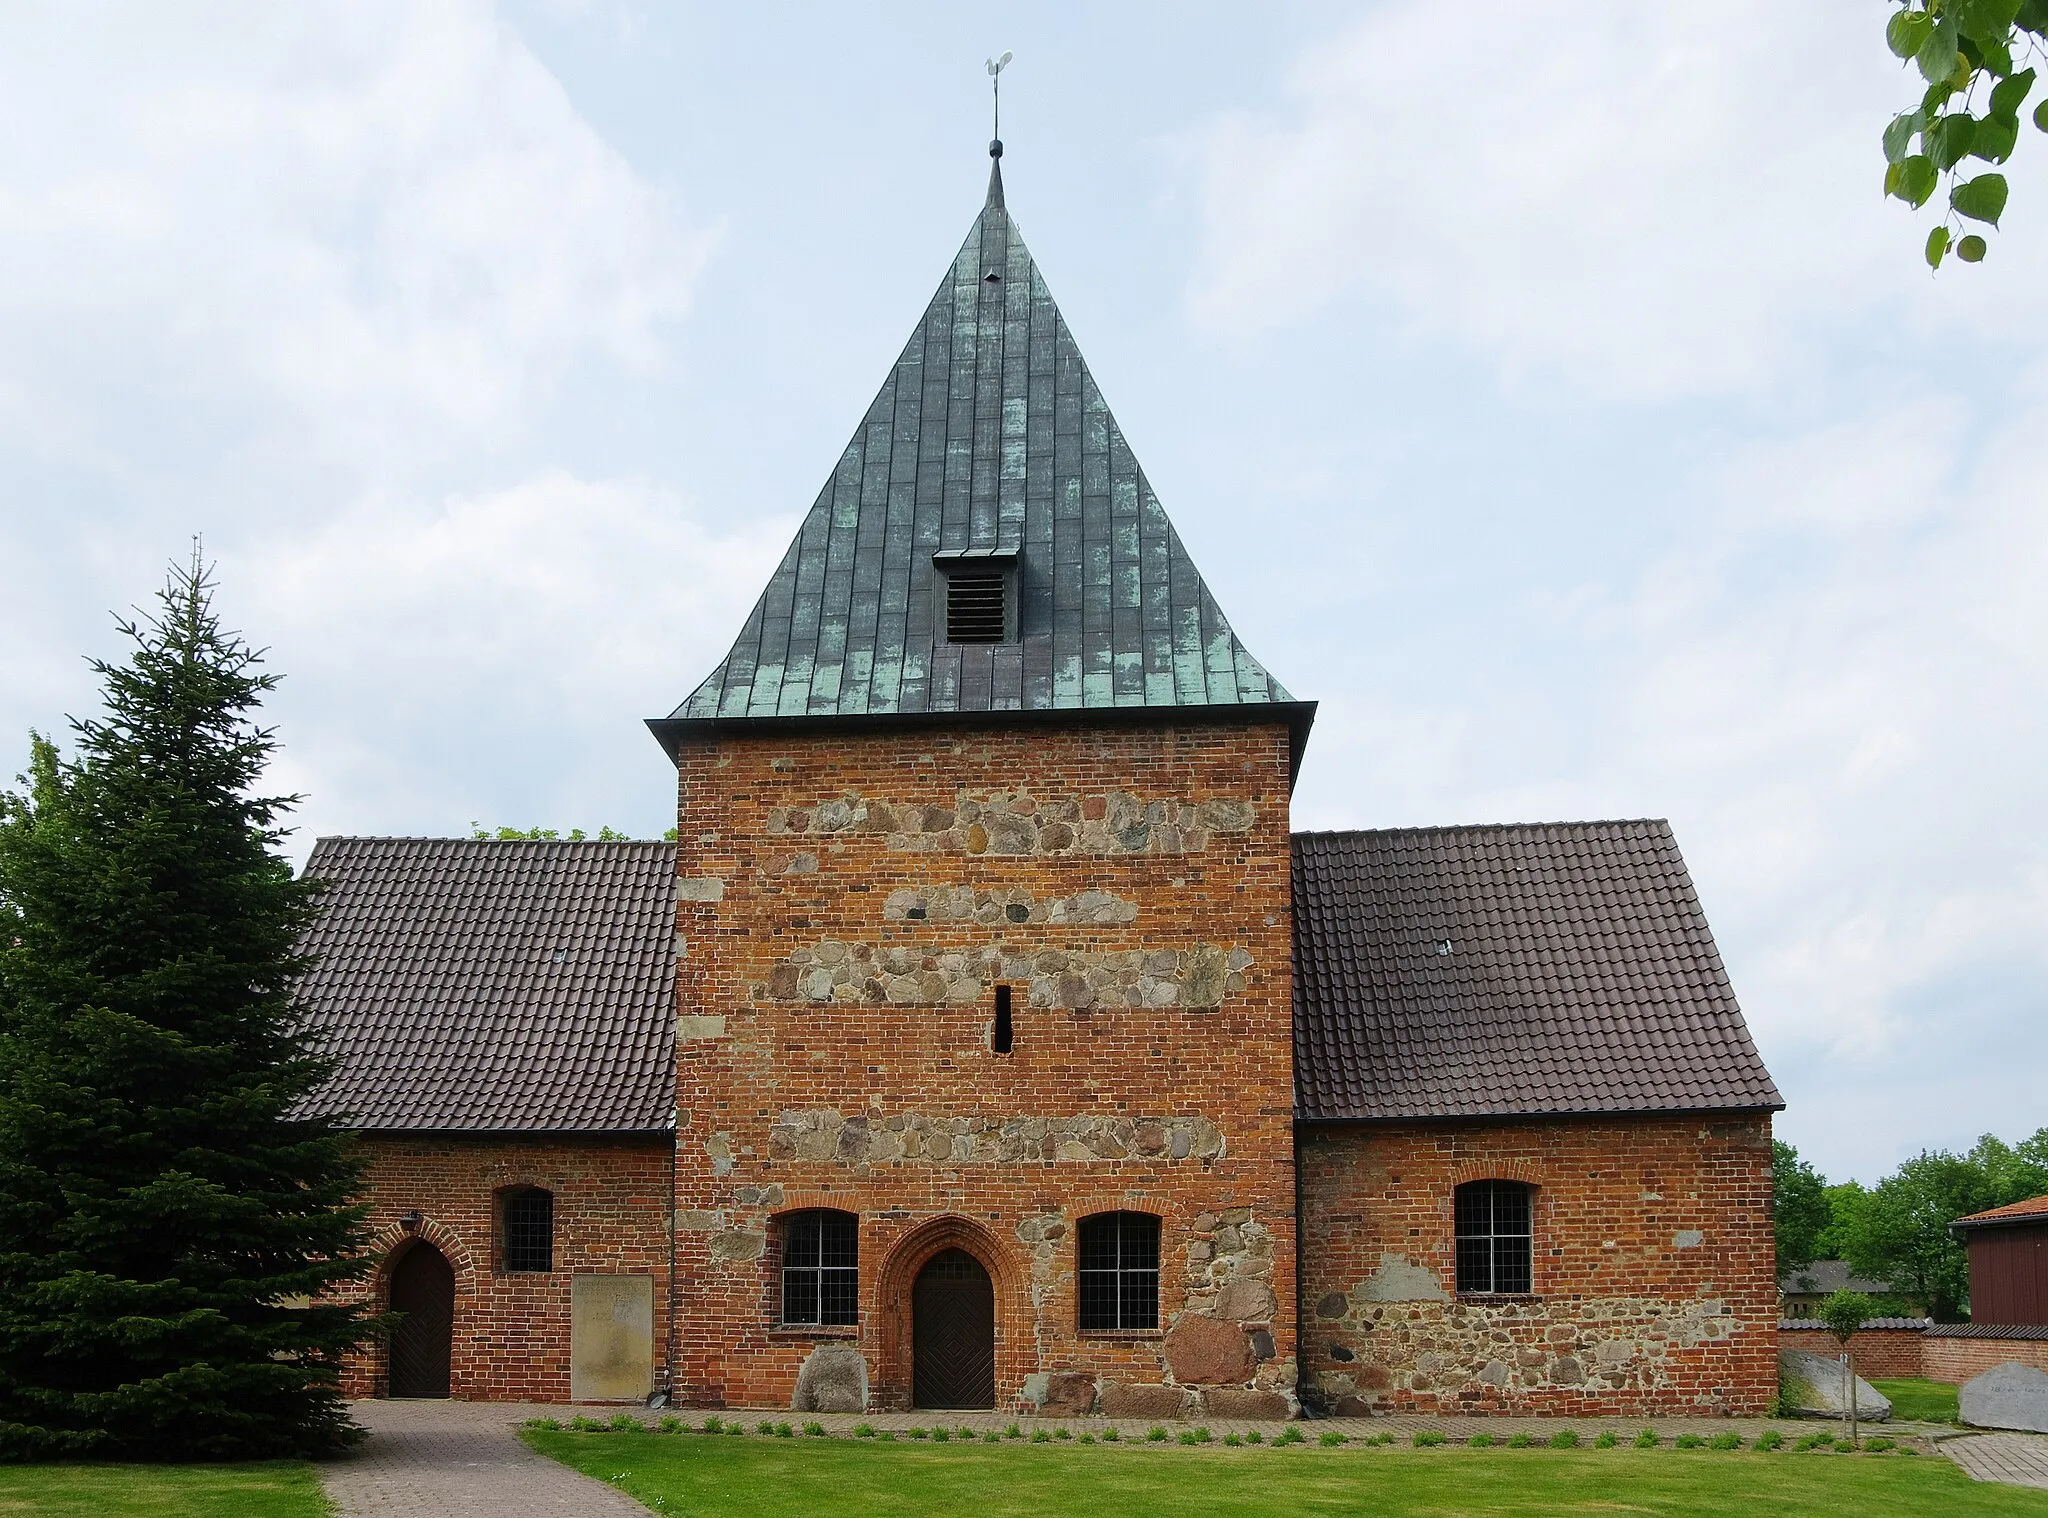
(389, 1245)
(892, 1378)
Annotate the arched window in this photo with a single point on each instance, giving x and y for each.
(527, 1229)
(1495, 1237)
(820, 1268)
(1119, 1272)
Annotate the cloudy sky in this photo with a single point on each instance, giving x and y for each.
(1552, 398)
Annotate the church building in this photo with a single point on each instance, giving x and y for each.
(987, 1039)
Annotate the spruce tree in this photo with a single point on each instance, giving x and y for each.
(166, 1210)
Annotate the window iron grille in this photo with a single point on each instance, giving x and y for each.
(530, 1230)
(1118, 1279)
(1496, 1243)
(820, 1269)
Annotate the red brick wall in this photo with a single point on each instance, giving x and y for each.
(1957, 1360)
(1654, 1283)
(1879, 1352)
(1131, 885)
(511, 1340)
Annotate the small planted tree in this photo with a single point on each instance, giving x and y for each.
(168, 1217)
(1844, 1312)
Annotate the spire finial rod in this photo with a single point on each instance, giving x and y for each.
(995, 80)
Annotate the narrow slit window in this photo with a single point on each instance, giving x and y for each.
(1495, 1238)
(976, 606)
(1005, 1033)
(1118, 1280)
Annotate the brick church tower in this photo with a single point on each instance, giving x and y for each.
(984, 1082)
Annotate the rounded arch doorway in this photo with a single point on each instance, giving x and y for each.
(953, 1333)
(422, 1288)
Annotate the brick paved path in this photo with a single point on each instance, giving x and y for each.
(458, 1459)
(2016, 1459)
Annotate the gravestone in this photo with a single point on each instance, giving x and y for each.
(1812, 1385)
(2011, 1395)
(611, 1338)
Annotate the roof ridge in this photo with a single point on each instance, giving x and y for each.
(1479, 827)
(609, 843)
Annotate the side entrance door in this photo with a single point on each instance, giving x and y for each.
(953, 1333)
(423, 1288)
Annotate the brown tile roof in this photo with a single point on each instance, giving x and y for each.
(1519, 970)
(497, 987)
(2034, 1209)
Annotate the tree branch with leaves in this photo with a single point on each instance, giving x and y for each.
(1969, 53)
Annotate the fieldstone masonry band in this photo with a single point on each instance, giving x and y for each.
(913, 1138)
(910, 975)
(1017, 823)
(993, 908)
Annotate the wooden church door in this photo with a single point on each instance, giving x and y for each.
(423, 1288)
(953, 1333)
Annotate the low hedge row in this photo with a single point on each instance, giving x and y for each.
(1772, 1439)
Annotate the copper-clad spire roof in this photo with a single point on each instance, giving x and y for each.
(988, 438)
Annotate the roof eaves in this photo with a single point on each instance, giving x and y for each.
(1299, 716)
(1524, 1114)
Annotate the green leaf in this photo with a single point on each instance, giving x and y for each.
(1936, 97)
(1938, 56)
(1971, 249)
(1937, 244)
(1948, 140)
(1981, 199)
(1987, 20)
(1906, 33)
(2041, 115)
(1916, 180)
(1898, 137)
(1994, 138)
(2008, 94)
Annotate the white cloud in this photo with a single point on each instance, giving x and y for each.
(365, 229)
(1838, 686)
(305, 279)
(1653, 201)
(498, 649)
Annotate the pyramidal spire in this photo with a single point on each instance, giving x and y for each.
(987, 542)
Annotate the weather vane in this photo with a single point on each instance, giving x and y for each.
(995, 79)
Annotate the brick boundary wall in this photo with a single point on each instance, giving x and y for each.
(1956, 1360)
(1881, 1353)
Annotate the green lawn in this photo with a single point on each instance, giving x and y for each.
(274, 1489)
(1929, 1401)
(765, 1478)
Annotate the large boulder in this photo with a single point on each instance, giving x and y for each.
(834, 1379)
(1121, 1401)
(1209, 1352)
(1811, 1386)
(2011, 1395)
(1236, 1402)
(1066, 1394)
